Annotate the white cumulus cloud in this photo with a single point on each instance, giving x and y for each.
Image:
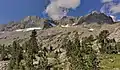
(59, 8)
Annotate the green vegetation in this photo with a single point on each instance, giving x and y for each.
(23, 57)
(110, 62)
(4, 52)
(16, 56)
(82, 56)
(108, 46)
(75, 54)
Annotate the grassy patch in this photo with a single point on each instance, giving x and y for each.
(110, 62)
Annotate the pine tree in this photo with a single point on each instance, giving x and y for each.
(16, 56)
(31, 50)
(33, 42)
(3, 52)
(29, 55)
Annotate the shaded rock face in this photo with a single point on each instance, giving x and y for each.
(96, 17)
(66, 20)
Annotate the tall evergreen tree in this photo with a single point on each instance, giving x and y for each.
(33, 42)
(31, 50)
(16, 56)
(31, 54)
(3, 52)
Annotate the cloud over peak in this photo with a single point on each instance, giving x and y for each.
(59, 8)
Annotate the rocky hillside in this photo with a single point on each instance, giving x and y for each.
(55, 37)
(49, 36)
(92, 23)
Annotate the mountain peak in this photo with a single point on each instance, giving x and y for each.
(28, 18)
(97, 17)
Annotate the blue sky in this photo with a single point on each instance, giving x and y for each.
(18, 9)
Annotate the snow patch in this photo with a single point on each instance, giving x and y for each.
(19, 30)
(91, 29)
(28, 29)
(65, 25)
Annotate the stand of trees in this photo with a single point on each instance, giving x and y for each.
(23, 57)
(80, 53)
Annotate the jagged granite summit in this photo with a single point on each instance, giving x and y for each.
(96, 17)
